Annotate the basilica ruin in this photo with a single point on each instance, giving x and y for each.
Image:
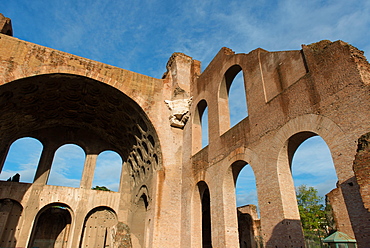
(173, 192)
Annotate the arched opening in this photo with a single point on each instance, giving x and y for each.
(314, 177)
(232, 99)
(204, 123)
(66, 169)
(247, 205)
(108, 170)
(200, 126)
(22, 159)
(98, 227)
(9, 218)
(205, 201)
(138, 222)
(51, 228)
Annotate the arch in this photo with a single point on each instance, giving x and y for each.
(11, 212)
(20, 73)
(296, 132)
(232, 102)
(203, 205)
(22, 158)
(313, 149)
(312, 173)
(244, 217)
(74, 108)
(320, 125)
(200, 126)
(108, 170)
(139, 219)
(52, 226)
(98, 227)
(231, 165)
(68, 163)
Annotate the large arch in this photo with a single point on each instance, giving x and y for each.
(58, 109)
(286, 141)
(29, 71)
(77, 109)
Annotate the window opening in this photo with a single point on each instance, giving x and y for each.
(22, 159)
(108, 170)
(67, 166)
(204, 125)
(237, 100)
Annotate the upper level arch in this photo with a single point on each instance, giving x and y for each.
(297, 130)
(199, 129)
(232, 105)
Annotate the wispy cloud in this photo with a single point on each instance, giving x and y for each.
(67, 166)
(141, 36)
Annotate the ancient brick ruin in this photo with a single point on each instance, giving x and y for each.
(173, 192)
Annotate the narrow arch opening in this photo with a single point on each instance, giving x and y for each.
(108, 170)
(66, 169)
(204, 124)
(23, 158)
(314, 177)
(206, 214)
(51, 228)
(200, 126)
(138, 222)
(232, 99)
(237, 100)
(247, 204)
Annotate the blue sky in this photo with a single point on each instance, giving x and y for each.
(141, 35)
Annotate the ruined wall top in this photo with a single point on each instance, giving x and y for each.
(5, 25)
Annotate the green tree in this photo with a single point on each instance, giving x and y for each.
(312, 213)
(102, 188)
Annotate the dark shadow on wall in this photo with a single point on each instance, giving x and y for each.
(358, 214)
(287, 233)
(246, 229)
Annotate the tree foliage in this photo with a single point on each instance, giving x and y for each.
(102, 188)
(312, 212)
